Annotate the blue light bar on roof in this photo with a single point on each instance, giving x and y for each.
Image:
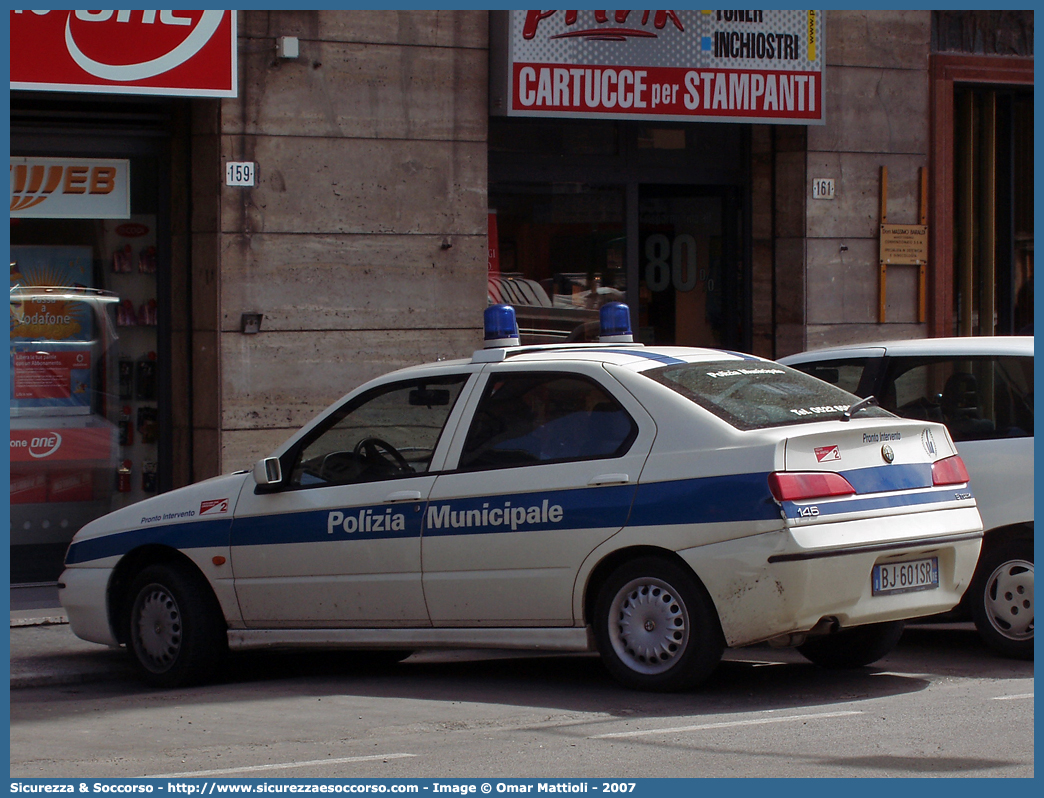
(499, 327)
(615, 321)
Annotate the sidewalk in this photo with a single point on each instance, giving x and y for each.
(45, 652)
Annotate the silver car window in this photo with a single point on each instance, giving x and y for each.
(978, 398)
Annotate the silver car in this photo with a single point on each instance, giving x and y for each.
(982, 389)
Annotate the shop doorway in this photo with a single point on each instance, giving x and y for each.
(589, 212)
(688, 293)
(981, 235)
(562, 256)
(93, 311)
(993, 210)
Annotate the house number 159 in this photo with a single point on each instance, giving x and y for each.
(240, 173)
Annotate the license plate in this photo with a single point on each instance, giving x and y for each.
(905, 577)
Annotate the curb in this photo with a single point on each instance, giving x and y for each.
(60, 679)
(48, 655)
(47, 620)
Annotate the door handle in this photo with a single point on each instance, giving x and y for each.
(609, 479)
(404, 496)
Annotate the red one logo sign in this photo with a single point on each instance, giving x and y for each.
(188, 53)
(42, 446)
(94, 444)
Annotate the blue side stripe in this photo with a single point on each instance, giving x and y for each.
(880, 479)
(841, 506)
(581, 508)
(741, 355)
(738, 497)
(313, 526)
(179, 536)
(639, 353)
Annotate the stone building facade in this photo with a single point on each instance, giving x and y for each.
(363, 243)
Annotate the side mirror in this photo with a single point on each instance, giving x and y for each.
(268, 471)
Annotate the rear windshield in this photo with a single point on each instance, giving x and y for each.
(755, 395)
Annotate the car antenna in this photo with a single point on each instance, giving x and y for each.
(862, 404)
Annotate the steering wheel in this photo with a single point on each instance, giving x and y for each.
(338, 467)
(376, 450)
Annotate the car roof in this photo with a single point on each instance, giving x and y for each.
(635, 356)
(969, 345)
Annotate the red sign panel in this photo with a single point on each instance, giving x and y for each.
(186, 53)
(68, 443)
(686, 65)
(667, 91)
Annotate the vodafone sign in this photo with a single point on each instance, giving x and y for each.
(185, 53)
(71, 443)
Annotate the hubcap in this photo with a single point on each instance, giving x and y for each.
(157, 628)
(648, 625)
(1009, 599)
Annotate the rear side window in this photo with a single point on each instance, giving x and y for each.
(978, 398)
(756, 395)
(528, 419)
(845, 374)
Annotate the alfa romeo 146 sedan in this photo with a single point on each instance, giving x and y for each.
(653, 504)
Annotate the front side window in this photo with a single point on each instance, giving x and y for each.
(528, 419)
(977, 398)
(755, 395)
(386, 433)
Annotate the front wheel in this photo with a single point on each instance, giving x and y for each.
(656, 627)
(1002, 599)
(175, 628)
(853, 648)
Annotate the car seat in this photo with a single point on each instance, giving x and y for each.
(961, 408)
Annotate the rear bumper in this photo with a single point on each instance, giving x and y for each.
(785, 582)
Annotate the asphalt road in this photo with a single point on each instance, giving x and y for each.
(940, 705)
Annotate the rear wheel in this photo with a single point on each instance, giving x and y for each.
(656, 627)
(176, 630)
(1002, 598)
(853, 648)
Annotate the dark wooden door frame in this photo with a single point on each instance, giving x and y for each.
(944, 72)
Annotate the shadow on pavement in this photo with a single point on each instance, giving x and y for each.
(759, 678)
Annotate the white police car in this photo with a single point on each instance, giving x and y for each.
(981, 388)
(653, 504)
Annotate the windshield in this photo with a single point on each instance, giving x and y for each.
(757, 394)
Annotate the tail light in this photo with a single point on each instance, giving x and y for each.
(949, 471)
(792, 486)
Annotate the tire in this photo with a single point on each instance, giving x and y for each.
(656, 627)
(176, 631)
(1002, 598)
(853, 648)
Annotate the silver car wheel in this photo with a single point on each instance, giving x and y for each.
(1009, 599)
(648, 625)
(156, 628)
